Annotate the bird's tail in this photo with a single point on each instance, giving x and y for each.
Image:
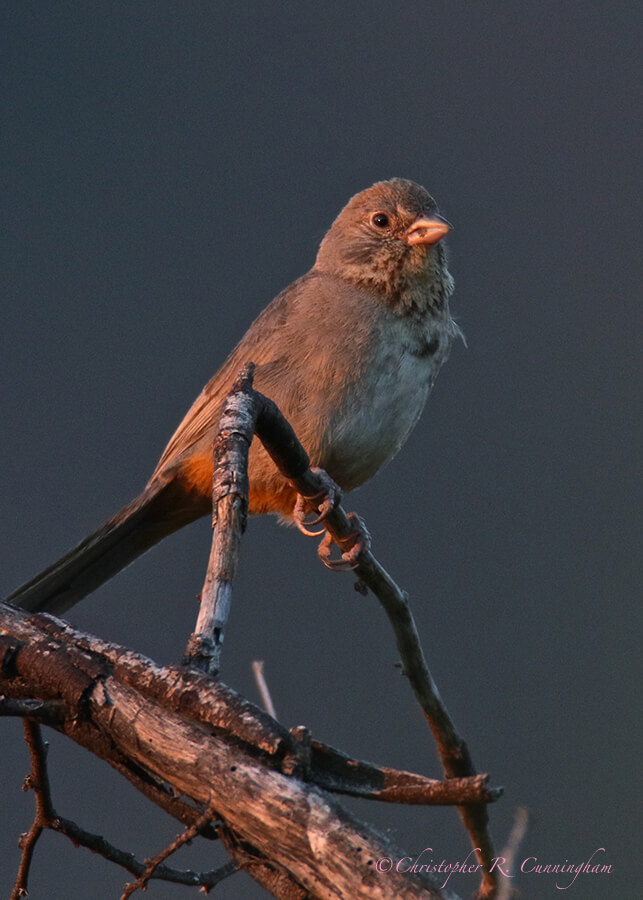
(161, 509)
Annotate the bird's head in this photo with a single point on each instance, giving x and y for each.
(388, 239)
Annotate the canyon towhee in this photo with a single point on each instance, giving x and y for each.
(349, 352)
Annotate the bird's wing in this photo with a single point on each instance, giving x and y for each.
(259, 345)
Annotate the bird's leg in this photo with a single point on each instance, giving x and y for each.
(323, 503)
(351, 546)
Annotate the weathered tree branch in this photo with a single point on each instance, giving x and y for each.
(203, 700)
(214, 750)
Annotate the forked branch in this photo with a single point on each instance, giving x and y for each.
(246, 411)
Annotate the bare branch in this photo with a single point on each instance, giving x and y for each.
(153, 866)
(39, 782)
(47, 818)
(97, 844)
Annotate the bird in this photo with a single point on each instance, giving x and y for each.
(349, 352)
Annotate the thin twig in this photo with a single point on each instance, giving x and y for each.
(262, 686)
(508, 855)
(38, 781)
(47, 818)
(153, 865)
(128, 861)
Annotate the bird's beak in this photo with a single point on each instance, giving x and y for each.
(427, 230)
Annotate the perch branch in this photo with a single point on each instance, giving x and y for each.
(291, 459)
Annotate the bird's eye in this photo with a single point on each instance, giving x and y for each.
(380, 220)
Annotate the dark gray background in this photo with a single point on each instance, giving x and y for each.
(167, 168)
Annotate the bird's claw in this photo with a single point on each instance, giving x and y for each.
(358, 542)
(324, 502)
(299, 514)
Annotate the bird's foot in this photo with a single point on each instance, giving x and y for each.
(324, 502)
(352, 547)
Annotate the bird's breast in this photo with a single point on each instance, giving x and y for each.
(383, 404)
